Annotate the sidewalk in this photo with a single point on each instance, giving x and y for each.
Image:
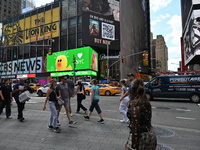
(33, 134)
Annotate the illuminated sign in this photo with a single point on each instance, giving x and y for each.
(71, 73)
(22, 66)
(85, 58)
(33, 28)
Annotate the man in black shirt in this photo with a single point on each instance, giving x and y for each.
(6, 97)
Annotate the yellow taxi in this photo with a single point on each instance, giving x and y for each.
(105, 89)
(35, 86)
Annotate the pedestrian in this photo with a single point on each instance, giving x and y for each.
(63, 90)
(52, 99)
(71, 92)
(142, 135)
(79, 94)
(123, 103)
(95, 102)
(131, 77)
(6, 97)
(18, 89)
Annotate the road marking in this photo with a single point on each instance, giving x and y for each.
(153, 107)
(183, 109)
(199, 105)
(185, 118)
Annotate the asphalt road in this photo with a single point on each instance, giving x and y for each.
(177, 125)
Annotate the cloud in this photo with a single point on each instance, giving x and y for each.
(175, 25)
(159, 19)
(156, 5)
(38, 3)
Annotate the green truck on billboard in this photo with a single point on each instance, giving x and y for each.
(84, 58)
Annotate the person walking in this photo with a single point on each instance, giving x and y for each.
(18, 89)
(6, 97)
(95, 102)
(79, 93)
(123, 103)
(63, 90)
(51, 98)
(142, 135)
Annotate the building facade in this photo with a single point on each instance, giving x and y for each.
(190, 13)
(62, 25)
(9, 8)
(135, 36)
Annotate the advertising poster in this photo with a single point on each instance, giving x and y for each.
(101, 23)
(192, 38)
(85, 58)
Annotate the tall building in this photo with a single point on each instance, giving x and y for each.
(135, 36)
(9, 8)
(190, 13)
(77, 31)
(161, 54)
(27, 5)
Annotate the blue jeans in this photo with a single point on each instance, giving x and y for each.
(53, 120)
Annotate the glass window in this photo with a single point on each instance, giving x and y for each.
(64, 9)
(64, 27)
(26, 51)
(14, 53)
(72, 41)
(20, 52)
(63, 43)
(33, 50)
(55, 45)
(72, 8)
(9, 53)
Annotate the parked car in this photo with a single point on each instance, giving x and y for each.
(105, 89)
(43, 90)
(35, 86)
(174, 87)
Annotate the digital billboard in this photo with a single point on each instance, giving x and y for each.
(85, 58)
(101, 23)
(37, 27)
(192, 39)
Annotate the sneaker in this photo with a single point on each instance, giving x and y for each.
(57, 130)
(50, 127)
(71, 114)
(58, 122)
(72, 123)
(21, 120)
(9, 117)
(101, 121)
(86, 117)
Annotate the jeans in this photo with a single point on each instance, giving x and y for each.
(53, 120)
(123, 108)
(95, 105)
(79, 103)
(6, 103)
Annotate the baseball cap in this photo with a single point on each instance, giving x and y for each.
(130, 75)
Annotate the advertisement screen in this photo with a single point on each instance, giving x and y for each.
(192, 37)
(84, 58)
(101, 23)
(33, 28)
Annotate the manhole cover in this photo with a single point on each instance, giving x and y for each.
(163, 132)
(162, 108)
(163, 147)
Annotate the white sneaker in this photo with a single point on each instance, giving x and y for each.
(9, 117)
(71, 114)
(122, 121)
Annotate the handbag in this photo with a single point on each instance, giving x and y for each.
(60, 101)
(25, 96)
(83, 96)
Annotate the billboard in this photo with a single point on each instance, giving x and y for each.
(101, 23)
(192, 38)
(85, 58)
(37, 27)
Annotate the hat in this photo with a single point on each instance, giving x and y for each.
(130, 75)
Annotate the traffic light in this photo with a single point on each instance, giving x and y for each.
(145, 58)
(50, 51)
(74, 59)
(123, 59)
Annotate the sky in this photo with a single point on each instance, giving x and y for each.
(165, 18)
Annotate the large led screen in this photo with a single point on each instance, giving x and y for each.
(101, 23)
(85, 58)
(192, 37)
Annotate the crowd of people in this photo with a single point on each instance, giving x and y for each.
(134, 106)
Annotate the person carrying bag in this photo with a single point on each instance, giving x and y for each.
(80, 97)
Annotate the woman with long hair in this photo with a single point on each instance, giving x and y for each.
(51, 97)
(142, 135)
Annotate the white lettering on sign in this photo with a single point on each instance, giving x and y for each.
(32, 65)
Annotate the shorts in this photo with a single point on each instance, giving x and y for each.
(66, 102)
